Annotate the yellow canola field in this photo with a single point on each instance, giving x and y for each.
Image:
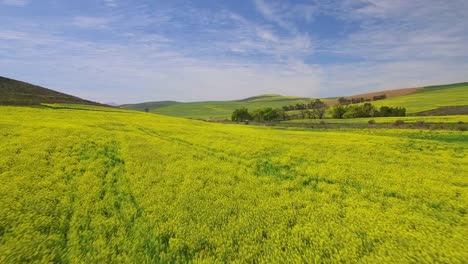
(92, 186)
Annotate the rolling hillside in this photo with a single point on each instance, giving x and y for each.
(216, 109)
(430, 98)
(148, 105)
(451, 98)
(13, 92)
(388, 93)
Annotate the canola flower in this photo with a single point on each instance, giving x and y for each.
(95, 185)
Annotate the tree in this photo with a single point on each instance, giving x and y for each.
(303, 114)
(343, 101)
(269, 114)
(146, 110)
(379, 97)
(399, 111)
(308, 114)
(367, 110)
(240, 115)
(318, 108)
(319, 112)
(283, 115)
(392, 111)
(258, 115)
(338, 111)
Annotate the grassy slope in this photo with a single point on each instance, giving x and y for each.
(414, 99)
(224, 109)
(430, 98)
(13, 92)
(389, 93)
(148, 105)
(407, 119)
(95, 186)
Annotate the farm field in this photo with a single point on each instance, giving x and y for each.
(94, 185)
(218, 109)
(407, 119)
(415, 100)
(430, 98)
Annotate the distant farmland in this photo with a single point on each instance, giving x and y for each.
(218, 109)
(415, 100)
(430, 98)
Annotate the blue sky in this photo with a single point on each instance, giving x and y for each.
(127, 51)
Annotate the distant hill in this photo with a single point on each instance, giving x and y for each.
(271, 97)
(216, 109)
(13, 92)
(438, 100)
(148, 105)
(389, 93)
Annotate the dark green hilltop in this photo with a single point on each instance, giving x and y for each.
(14, 92)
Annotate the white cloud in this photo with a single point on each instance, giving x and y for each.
(274, 11)
(349, 79)
(286, 14)
(110, 3)
(189, 53)
(13, 35)
(14, 2)
(405, 29)
(397, 44)
(91, 22)
(141, 72)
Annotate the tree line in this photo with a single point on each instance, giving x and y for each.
(365, 110)
(266, 114)
(317, 110)
(312, 105)
(347, 101)
(314, 109)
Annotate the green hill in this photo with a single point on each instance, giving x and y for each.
(148, 105)
(450, 99)
(430, 98)
(216, 109)
(13, 92)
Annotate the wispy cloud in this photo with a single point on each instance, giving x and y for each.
(110, 3)
(160, 51)
(13, 35)
(398, 44)
(14, 2)
(153, 68)
(91, 22)
(345, 79)
(403, 29)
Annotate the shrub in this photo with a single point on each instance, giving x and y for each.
(399, 122)
(420, 123)
(371, 122)
(338, 111)
(240, 115)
